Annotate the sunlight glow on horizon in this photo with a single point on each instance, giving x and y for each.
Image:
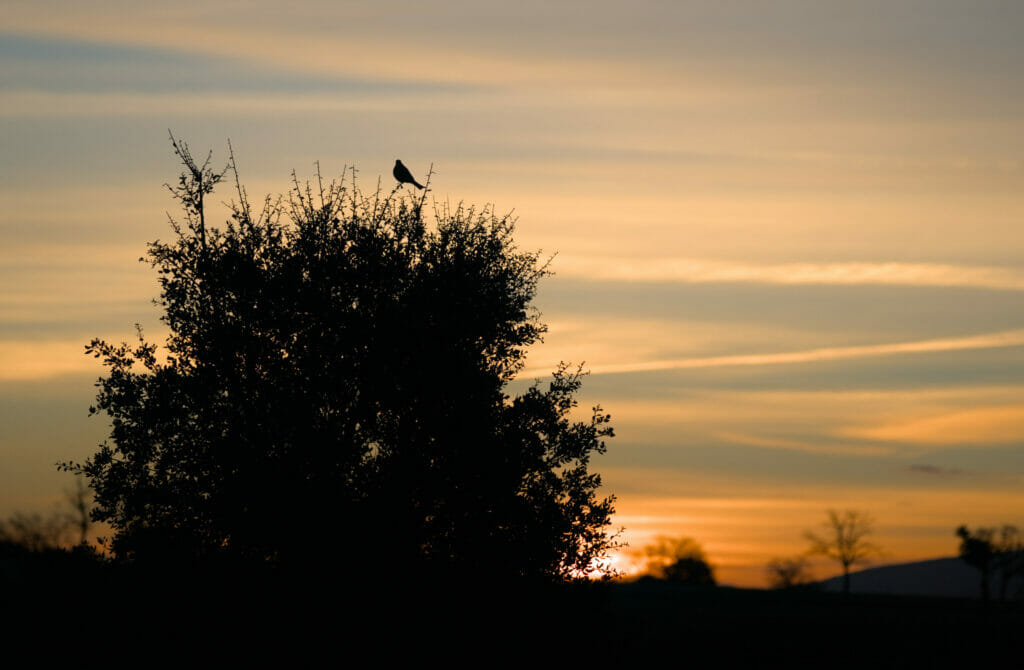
(741, 534)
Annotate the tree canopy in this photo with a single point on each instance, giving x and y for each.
(333, 393)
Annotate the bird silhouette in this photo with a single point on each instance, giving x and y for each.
(403, 175)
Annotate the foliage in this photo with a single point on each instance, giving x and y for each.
(679, 560)
(845, 541)
(332, 394)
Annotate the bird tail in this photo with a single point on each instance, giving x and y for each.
(417, 184)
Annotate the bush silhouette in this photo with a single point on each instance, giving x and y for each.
(332, 396)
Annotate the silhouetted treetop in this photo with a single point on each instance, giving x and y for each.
(332, 392)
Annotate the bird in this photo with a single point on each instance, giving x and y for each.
(403, 175)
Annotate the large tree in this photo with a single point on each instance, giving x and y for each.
(333, 392)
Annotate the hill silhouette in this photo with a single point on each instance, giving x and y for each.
(939, 577)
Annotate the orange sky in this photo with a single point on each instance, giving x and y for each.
(788, 235)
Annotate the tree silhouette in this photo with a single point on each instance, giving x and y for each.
(78, 500)
(679, 560)
(34, 532)
(65, 526)
(787, 573)
(993, 550)
(845, 541)
(1009, 561)
(332, 396)
(977, 551)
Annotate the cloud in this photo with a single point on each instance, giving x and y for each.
(40, 360)
(694, 270)
(806, 445)
(970, 426)
(490, 39)
(1012, 338)
(372, 46)
(37, 104)
(926, 469)
(792, 437)
(595, 336)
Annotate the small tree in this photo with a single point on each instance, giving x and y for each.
(34, 532)
(1009, 559)
(679, 560)
(332, 394)
(78, 499)
(993, 551)
(977, 551)
(38, 533)
(845, 541)
(786, 573)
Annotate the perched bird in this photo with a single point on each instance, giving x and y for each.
(403, 175)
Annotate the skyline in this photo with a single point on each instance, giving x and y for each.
(788, 236)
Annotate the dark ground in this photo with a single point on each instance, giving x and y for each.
(76, 607)
(753, 628)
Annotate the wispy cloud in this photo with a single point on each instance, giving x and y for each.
(934, 470)
(1012, 338)
(377, 49)
(40, 360)
(806, 445)
(78, 104)
(976, 425)
(705, 271)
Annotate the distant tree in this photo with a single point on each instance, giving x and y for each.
(332, 394)
(34, 532)
(78, 500)
(688, 570)
(845, 541)
(1009, 558)
(977, 550)
(679, 560)
(993, 551)
(786, 573)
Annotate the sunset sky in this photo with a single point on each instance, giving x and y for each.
(789, 234)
